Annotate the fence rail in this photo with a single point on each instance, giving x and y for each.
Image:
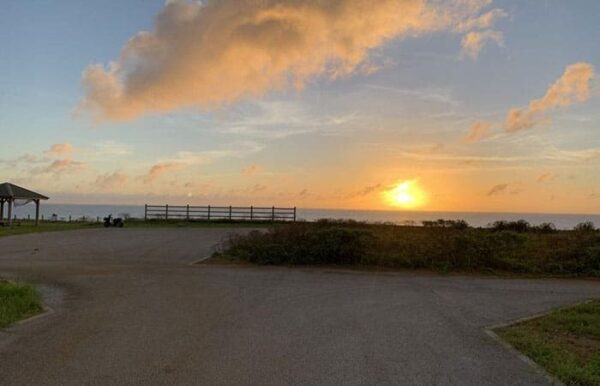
(208, 213)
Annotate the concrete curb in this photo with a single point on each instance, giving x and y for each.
(46, 311)
(489, 330)
(195, 262)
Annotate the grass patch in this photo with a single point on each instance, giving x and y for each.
(17, 302)
(25, 227)
(566, 343)
(444, 249)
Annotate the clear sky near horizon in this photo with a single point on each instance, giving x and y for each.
(459, 105)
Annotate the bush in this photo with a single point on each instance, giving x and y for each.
(301, 244)
(544, 250)
(441, 223)
(545, 227)
(587, 226)
(515, 226)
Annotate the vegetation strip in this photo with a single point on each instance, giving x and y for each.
(25, 227)
(17, 301)
(446, 246)
(22, 227)
(565, 342)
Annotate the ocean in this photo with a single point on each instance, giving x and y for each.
(562, 221)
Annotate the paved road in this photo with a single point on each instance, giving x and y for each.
(129, 309)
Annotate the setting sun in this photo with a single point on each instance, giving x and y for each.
(405, 194)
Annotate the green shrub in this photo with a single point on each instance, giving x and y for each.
(445, 248)
(301, 244)
(441, 223)
(545, 227)
(587, 226)
(515, 226)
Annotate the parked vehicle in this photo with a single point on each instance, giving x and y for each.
(109, 221)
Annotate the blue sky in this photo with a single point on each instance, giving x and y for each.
(336, 142)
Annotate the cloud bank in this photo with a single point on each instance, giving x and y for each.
(205, 54)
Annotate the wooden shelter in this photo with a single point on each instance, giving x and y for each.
(9, 193)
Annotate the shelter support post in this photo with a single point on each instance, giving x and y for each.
(1, 210)
(37, 212)
(10, 205)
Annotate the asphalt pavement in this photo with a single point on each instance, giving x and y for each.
(128, 308)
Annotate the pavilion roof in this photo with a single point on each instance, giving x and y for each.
(12, 191)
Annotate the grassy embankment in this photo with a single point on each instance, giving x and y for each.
(566, 343)
(445, 246)
(17, 302)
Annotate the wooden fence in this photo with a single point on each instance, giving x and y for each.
(208, 213)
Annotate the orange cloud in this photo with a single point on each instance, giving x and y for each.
(546, 177)
(112, 181)
(473, 42)
(572, 87)
(485, 21)
(204, 54)
(159, 170)
(64, 165)
(60, 149)
(478, 131)
(497, 189)
(252, 170)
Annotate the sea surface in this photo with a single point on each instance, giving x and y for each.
(93, 212)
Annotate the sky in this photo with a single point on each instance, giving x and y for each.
(456, 105)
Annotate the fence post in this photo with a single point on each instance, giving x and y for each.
(229, 212)
(251, 213)
(273, 214)
(187, 212)
(145, 212)
(294, 214)
(209, 213)
(166, 212)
